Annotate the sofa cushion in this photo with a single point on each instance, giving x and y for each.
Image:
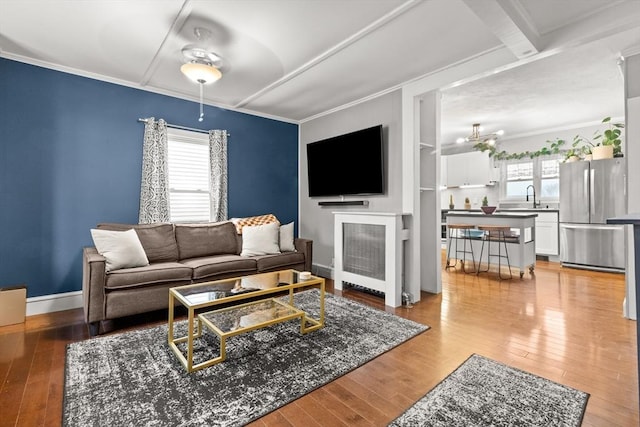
(280, 261)
(157, 273)
(286, 238)
(121, 249)
(219, 264)
(240, 223)
(158, 240)
(260, 240)
(201, 240)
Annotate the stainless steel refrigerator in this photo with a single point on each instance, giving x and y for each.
(591, 192)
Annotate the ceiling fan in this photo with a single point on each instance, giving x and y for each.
(202, 66)
(476, 137)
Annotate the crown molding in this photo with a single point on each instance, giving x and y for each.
(631, 51)
(126, 83)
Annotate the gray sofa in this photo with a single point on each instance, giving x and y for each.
(178, 254)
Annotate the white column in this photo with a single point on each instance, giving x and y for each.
(631, 151)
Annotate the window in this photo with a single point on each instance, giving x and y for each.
(519, 177)
(550, 179)
(542, 173)
(188, 158)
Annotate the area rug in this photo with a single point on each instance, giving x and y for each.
(133, 378)
(483, 392)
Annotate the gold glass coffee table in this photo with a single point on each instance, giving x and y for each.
(238, 315)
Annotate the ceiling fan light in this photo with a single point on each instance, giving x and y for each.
(201, 73)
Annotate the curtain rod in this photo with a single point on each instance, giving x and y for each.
(182, 127)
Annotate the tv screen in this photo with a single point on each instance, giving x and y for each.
(347, 164)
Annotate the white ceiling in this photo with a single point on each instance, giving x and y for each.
(296, 59)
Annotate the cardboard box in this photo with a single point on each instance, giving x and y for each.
(13, 304)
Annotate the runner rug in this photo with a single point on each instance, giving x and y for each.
(483, 392)
(133, 378)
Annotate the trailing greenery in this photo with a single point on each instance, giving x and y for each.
(552, 147)
(579, 145)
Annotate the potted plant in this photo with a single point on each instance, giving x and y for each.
(603, 145)
(572, 155)
(485, 206)
(451, 205)
(467, 203)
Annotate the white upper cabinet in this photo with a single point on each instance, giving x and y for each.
(472, 168)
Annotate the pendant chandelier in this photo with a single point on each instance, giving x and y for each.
(475, 136)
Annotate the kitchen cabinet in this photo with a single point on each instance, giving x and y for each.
(472, 168)
(547, 233)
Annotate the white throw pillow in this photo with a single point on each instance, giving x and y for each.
(286, 238)
(122, 249)
(260, 239)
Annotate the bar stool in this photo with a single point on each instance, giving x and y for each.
(453, 234)
(495, 232)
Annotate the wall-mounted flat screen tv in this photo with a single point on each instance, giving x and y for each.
(347, 164)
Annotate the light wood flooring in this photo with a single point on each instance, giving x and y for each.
(562, 324)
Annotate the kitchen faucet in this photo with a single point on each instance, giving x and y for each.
(534, 196)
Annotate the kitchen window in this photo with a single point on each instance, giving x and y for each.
(542, 173)
(550, 179)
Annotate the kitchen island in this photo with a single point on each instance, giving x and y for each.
(633, 219)
(521, 245)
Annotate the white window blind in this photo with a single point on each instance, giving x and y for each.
(550, 179)
(519, 177)
(189, 169)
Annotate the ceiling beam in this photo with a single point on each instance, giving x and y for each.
(616, 18)
(510, 23)
(331, 51)
(162, 51)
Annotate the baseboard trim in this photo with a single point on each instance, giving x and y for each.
(322, 270)
(54, 302)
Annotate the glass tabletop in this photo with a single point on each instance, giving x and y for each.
(247, 316)
(211, 291)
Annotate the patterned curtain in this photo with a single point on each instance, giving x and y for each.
(154, 192)
(218, 175)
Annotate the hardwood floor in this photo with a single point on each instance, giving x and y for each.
(562, 324)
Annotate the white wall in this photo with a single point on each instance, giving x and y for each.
(317, 222)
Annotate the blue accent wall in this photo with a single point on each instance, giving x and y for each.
(71, 155)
